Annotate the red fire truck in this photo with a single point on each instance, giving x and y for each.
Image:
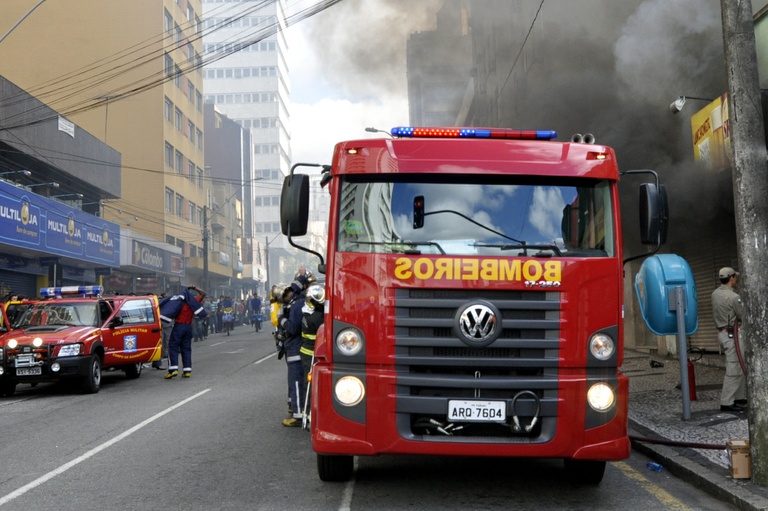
(475, 298)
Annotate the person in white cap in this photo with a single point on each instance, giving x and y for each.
(726, 311)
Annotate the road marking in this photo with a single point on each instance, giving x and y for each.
(349, 488)
(661, 495)
(264, 359)
(63, 468)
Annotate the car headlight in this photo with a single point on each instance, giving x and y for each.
(602, 346)
(37, 342)
(69, 350)
(349, 390)
(13, 343)
(349, 342)
(601, 397)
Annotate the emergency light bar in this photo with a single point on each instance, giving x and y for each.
(48, 292)
(413, 132)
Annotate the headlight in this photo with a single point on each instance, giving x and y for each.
(37, 342)
(600, 397)
(349, 342)
(349, 391)
(13, 343)
(602, 346)
(69, 350)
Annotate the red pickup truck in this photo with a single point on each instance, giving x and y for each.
(74, 332)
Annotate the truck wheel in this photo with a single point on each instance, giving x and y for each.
(587, 472)
(335, 468)
(133, 371)
(92, 381)
(7, 388)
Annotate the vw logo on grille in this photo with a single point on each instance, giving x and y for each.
(477, 324)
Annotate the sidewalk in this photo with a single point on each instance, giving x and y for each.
(656, 414)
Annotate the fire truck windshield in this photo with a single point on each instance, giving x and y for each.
(543, 217)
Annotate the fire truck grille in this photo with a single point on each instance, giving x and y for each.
(436, 369)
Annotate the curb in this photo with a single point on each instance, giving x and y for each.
(714, 480)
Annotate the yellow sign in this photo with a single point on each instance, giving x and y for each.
(444, 268)
(711, 132)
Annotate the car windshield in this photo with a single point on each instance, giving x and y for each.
(545, 217)
(58, 313)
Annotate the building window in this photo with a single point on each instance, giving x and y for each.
(179, 206)
(168, 66)
(192, 250)
(168, 110)
(191, 211)
(169, 200)
(191, 130)
(191, 91)
(177, 119)
(192, 175)
(199, 97)
(168, 155)
(179, 162)
(168, 22)
(200, 216)
(179, 33)
(199, 139)
(170, 239)
(199, 178)
(177, 75)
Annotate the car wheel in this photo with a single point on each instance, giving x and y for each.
(92, 381)
(133, 371)
(586, 472)
(334, 468)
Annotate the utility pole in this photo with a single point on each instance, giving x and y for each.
(205, 249)
(750, 188)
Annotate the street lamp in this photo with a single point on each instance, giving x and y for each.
(52, 184)
(23, 171)
(678, 104)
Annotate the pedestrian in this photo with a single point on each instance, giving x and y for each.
(182, 308)
(290, 323)
(313, 315)
(726, 311)
(254, 308)
(167, 327)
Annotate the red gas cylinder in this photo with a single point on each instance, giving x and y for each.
(691, 381)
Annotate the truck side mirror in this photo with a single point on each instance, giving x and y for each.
(294, 205)
(654, 214)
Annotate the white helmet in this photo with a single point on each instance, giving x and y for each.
(315, 297)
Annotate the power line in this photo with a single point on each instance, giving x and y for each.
(522, 47)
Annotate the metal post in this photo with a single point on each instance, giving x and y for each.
(682, 350)
(205, 249)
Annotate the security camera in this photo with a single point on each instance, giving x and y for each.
(677, 104)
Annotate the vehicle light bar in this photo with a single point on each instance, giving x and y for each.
(71, 290)
(413, 132)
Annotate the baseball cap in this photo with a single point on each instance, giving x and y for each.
(726, 272)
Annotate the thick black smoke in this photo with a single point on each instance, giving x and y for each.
(589, 66)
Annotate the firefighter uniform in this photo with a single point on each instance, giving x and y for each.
(726, 311)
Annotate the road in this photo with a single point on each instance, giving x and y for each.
(215, 442)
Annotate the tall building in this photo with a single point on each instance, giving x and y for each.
(130, 73)
(246, 77)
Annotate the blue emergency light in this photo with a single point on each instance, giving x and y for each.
(448, 132)
(47, 292)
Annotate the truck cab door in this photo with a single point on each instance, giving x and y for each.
(132, 334)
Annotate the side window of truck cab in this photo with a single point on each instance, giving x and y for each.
(138, 311)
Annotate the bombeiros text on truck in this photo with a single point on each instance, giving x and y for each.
(74, 332)
(474, 298)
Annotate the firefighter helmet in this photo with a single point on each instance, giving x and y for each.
(315, 297)
(311, 279)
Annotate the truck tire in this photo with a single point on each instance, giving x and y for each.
(584, 472)
(334, 468)
(133, 371)
(92, 381)
(7, 388)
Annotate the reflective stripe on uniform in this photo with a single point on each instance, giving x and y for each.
(307, 351)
